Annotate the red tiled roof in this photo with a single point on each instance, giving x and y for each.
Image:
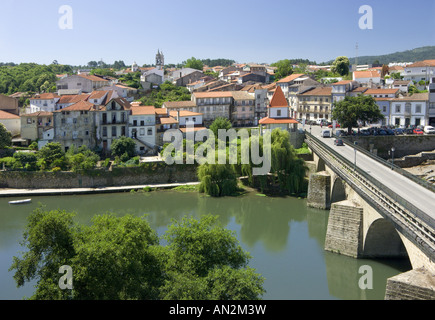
(45, 96)
(7, 115)
(291, 77)
(79, 106)
(38, 114)
(168, 120)
(92, 77)
(268, 120)
(319, 91)
(278, 99)
(217, 94)
(381, 91)
(184, 113)
(366, 74)
(424, 63)
(142, 110)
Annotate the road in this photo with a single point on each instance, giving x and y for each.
(412, 192)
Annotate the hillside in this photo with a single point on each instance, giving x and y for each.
(417, 54)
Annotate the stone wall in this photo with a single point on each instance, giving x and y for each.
(404, 145)
(157, 174)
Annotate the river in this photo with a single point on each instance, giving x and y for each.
(284, 237)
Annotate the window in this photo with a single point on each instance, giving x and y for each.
(278, 113)
(29, 121)
(75, 120)
(397, 108)
(87, 133)
(104, 131)
(418, 108)
(63, 121)
(384, 109)
(113, 131)
(150, 132)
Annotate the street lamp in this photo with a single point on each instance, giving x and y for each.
(354, 165)
(392, 157)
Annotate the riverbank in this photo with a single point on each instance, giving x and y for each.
(77, 191)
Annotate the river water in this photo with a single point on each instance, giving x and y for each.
(284, 237)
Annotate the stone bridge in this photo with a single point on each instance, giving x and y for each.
(368, 220)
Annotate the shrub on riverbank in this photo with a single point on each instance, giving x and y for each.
(121, 258)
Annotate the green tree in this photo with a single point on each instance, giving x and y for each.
(194, 64)
(353, 109)
(51, 156)
(341, 65)
(284, 68)
(123, 145)
(220, 123)
(206, 262)
(120, 258)
(5, 137)
(217, 180)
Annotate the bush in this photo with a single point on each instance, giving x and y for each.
(9, 162)
(27, 159)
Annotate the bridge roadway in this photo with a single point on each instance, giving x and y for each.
(412, 192)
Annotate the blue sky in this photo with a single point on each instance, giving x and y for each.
(243, 30)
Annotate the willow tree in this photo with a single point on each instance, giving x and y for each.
(288, 168)
(217, 180)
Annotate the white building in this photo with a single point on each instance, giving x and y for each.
(367, 77)
(420, 71)
(12, 122)
(142, 127)
(44, 102)
(410, 110)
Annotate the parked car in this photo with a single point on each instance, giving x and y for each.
(340, 133)
(338, 142)
(326, 133)
(364, 132)
(409, 131)
(418, 131)
(390, 132)
(399, 131)
(337, 125)
(429, 130)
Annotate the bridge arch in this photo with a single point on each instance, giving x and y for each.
(338, 190)
(383, 241)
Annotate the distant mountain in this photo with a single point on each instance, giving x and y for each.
(417, 54)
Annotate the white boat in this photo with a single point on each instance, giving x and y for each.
(20, 201)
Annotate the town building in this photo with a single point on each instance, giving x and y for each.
(278, 113)
(410, 110)
(213, 105)
(44, 102)
(12, 122)
(315, 104)
(33, 125)
(142, 128)
(420, 71)
(367, 78)
(112, 121)
(76, 125)
(84, 82)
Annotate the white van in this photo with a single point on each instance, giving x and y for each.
(326, 133)
(319, 121)
(429, 129)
